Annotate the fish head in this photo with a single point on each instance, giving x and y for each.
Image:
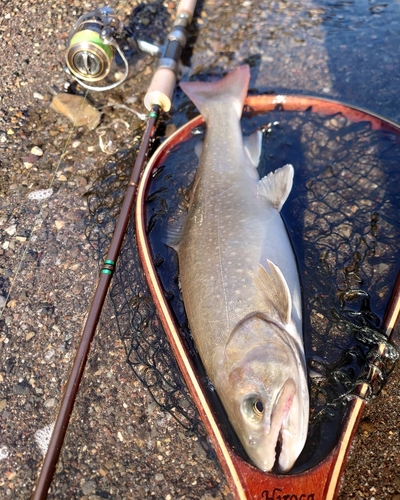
(264, 390)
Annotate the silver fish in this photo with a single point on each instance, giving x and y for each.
(240, 282)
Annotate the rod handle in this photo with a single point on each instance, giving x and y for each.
(186, 7)
(161, 89)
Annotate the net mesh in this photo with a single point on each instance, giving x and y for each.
(147, 350)
(343, 220)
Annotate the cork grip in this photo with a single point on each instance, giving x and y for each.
(161, 89)
(186, 7)
(162, 85)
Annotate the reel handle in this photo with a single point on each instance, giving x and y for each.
(163, 83)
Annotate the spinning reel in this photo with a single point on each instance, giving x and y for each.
(93, 43)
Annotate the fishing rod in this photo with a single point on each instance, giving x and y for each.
(92, 56)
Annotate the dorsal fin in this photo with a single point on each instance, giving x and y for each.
(275, 292)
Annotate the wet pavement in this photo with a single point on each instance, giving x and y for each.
(120, 444)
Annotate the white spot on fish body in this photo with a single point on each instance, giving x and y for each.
(252, 441)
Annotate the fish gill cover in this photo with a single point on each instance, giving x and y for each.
(344, 223)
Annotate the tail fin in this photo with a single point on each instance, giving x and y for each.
(233, 86)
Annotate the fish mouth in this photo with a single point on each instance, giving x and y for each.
(275, 450)
(279, 425)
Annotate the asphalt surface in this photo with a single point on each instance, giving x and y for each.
(120, 444)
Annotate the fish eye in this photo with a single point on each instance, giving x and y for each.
(258, 407)
(253, 408)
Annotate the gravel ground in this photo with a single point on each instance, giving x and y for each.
(119, 444)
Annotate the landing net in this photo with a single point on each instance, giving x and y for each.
(344, 222)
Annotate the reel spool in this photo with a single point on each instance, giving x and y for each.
(92, 46)
(88, 58)
(93, 43)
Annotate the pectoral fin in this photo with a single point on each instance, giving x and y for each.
(275, 291)
(275, 187)
(253, 145)
(198, 149)
(175, 229)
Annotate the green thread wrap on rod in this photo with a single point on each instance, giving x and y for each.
(108, 267)
(106, 271)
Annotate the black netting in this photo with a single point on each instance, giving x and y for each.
(148, 352)
(343, 219)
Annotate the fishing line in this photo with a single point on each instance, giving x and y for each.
(38, 216)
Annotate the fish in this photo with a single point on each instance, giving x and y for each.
(240, 283)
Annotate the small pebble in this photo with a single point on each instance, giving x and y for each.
(32, 158)
(76, 109)
(49, 354)
(88, 487)
(4, 453)
(38, 95)
(50, 403)
(11, 230)
(37, 151)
